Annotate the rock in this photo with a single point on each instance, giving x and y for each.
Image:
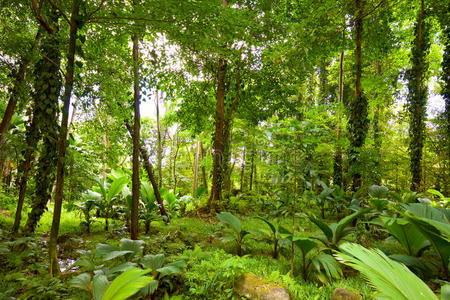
(254, 287)
(343, 294)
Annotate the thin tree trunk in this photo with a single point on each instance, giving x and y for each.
(251, 169)
(243, 170)
(134, 228)
(158, 124)
(68, 86)
(176, 139)
(337, 168)
(205, 179)
(197, 154)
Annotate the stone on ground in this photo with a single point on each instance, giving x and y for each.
(254, 287)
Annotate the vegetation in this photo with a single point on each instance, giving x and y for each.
(163, 149)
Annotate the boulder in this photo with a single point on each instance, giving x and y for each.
(343, 294)
(254, 287)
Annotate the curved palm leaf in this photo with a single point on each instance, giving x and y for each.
(391, 279)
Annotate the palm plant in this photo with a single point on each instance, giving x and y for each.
(108, 194)
(391, 279)
(273, 236)
(335, 233)
(148, 202)
(237, 234)
(316, 264)
(89, 203)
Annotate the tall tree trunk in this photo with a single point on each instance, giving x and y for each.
(219, 139)
(196, 160)
(32, 138)
(358, 123)
(218, 144)
(243, 170)
(177, 146)
(46, 95)
(134, 230)
(205, 180)
(158, 125)
(417, 99)
(337, 166)
(252, 161)
(59, 190)
(445, 77)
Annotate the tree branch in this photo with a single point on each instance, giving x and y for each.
(95, 11)
(40, 18)
(56, 7)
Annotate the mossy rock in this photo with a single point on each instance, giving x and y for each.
(343, 294)
(250, 286)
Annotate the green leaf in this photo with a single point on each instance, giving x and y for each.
(272, 227)
(322, 226)
(304, 244)
(127, 284)
(104, 249)
(169, 270)
(116, 187)
(82, 281)
(152, 261)
(392, 279)
(150, 288)
(230, 220)
(135, 246)
(100, 286)
(407, 234)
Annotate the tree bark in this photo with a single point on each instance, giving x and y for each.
(252, 161)
(417, 98)
(219, 139)
(243, 170)
(205, 180)
(134, 230)
(337, 167)
(158, 124)
(196, 160)
(47, 88)
(62, 146)
(358, 123)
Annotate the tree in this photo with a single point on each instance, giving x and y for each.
(62, 145)
(417, 96)
(358, 122)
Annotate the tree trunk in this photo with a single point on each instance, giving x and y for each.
(252, 160)
(358, 123)
(218, 144)
(205, 180)
(59, 190)
(219, 139)
(134, 228)
(337, 167)
(197, 154)
(176, 140)
(158, 125)
(32, 137)
(445, 92)
(243, 170)
(46, 95)
(417, 99)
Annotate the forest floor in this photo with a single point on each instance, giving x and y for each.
(212, 264)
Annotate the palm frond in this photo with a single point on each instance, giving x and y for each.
(391, 279)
